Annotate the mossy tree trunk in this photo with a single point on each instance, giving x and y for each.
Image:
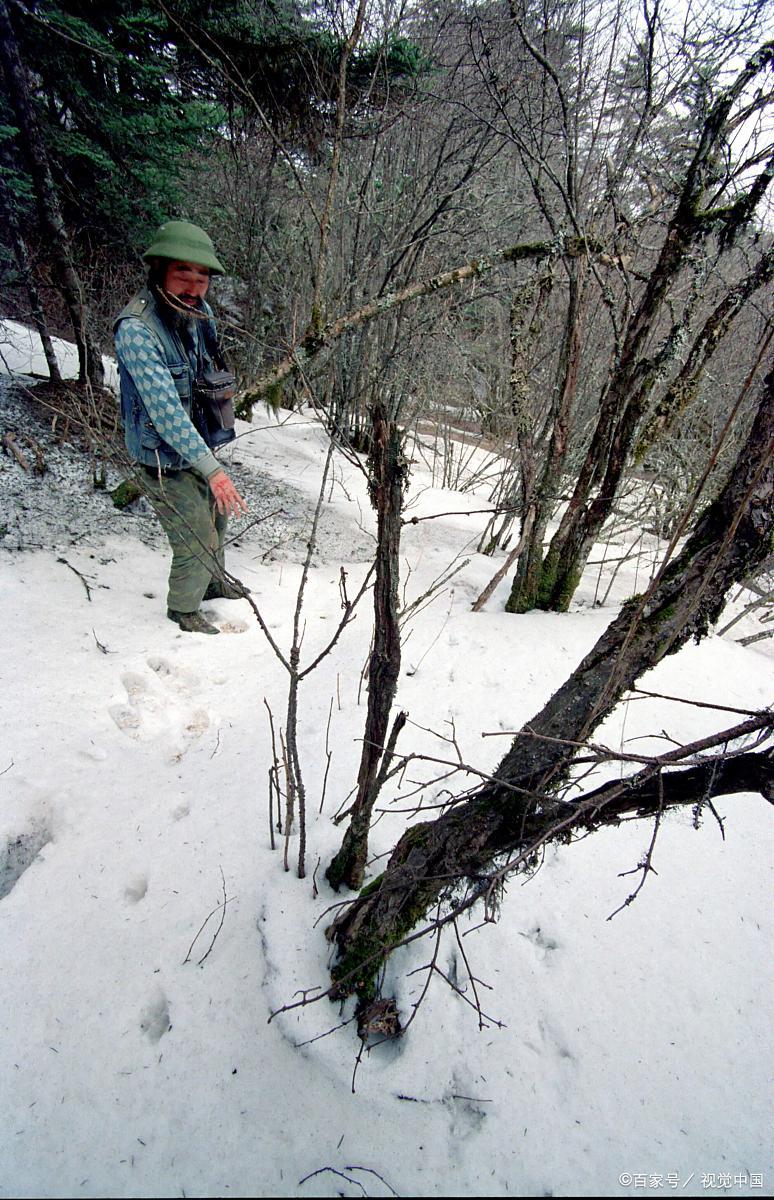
(522, 802)
(529, 588)
(548, 580)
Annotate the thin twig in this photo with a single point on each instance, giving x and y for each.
(100, 646)
(327, 1033)
(272, 843)
(430, 967)
(646, 866)
(333, 1171)
(217, 908)
(288, 801)
(370, 1171)
(476, 512)
(246, 528)
(472, 979)
(75, 571)
(273, 779)
(745, 712)
(328, 755)
(358, 1059)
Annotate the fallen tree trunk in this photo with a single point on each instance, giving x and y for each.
(521, 807)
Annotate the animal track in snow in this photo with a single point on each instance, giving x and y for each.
(467, 1112)
(554, 1039)
(135, 685)
(178, 678)
(236, 626)
(543, 944)
(137, 889)
(197, 723)
(127, 719)
(160, 706)
(154, 1018)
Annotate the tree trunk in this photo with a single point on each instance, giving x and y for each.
(52, 225)
(521, 803)
(8, 214)
(636, 373)
(684, 387)
(531, 584)
(386, 482)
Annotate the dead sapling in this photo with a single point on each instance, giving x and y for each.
(221, 908)
(295, 792)
(388, 472)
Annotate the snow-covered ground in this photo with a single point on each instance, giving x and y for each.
(138, 1059)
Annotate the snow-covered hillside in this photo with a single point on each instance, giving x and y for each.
(621, 1056)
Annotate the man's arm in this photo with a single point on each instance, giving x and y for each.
(143, 357)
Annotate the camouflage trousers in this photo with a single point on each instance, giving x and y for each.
(196, 530)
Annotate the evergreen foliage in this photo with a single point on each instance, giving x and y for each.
(130, 95)
(114, 122)
(279, 63)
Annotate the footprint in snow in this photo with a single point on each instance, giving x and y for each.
(154, 1018)
(160, 706)
(179, 678)
(136, 890)
(236, 626)
(543, 943)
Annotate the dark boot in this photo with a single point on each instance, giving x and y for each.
(193, 622)
(218, 589)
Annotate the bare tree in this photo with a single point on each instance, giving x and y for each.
(611, 96)
(387, 475)
(499, 826)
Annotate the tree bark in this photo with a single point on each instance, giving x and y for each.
(386, 481)
(530, 584)
(684, 387)
(8, 214)
(633, 380)
(522, 803)
(52, 224)
(647, 792)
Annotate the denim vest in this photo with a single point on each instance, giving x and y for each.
(144, 444)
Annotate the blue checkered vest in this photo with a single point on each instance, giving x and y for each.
(144, 444)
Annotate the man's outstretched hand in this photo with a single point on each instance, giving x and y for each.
(227, 498)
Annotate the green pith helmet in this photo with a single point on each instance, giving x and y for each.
(184, 242)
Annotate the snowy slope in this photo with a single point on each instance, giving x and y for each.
(133, 785)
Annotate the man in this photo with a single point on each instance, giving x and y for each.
(167, 349)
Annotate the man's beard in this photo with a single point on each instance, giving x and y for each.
(178, 316)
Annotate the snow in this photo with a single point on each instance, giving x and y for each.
(137, 1051)
(21, 353)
